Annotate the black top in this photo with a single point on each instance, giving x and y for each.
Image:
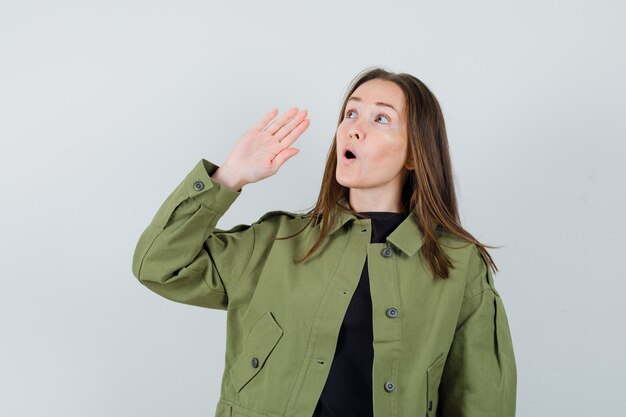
(348, 388)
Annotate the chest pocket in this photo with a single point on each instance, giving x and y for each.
(258, 345)
(433, 378)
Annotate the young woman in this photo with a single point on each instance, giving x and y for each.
(375, 302)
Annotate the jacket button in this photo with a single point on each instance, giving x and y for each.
(198, 185)
(389, 386)
(255, 362)
(387, 252)
(392, 312)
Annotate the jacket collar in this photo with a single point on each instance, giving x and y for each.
(407, 236)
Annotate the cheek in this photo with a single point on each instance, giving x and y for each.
(394, 154)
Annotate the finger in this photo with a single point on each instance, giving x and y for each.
(282, 156)
(295, 133)
(288, 127)
(269, 116)
(278, 123)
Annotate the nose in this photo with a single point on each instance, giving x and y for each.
(356, 132)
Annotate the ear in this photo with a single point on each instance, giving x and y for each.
(409, 165)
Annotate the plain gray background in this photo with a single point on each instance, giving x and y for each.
(105, 107)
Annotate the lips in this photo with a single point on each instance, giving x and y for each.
(349, 152)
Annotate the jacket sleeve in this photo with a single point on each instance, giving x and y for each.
(480, 376)
(182, 256)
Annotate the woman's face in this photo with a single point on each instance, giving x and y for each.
(373, 127)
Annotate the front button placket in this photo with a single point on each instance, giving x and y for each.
(384, 290)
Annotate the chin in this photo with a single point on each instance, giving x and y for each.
(350, 185)
(342, 182)
(346, 184)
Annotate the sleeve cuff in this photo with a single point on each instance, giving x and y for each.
(210, 193)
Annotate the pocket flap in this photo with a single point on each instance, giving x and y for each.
(433, 378)
(257, 347)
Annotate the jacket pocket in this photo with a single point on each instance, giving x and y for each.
(433, 378)
(257, 347)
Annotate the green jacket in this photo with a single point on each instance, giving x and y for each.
(445, 350)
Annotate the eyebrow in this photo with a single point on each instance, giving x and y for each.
(378, 103)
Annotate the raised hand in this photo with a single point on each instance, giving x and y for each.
(263, 149)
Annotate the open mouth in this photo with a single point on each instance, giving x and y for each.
(349, 155)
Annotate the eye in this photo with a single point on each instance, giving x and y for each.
(388, 120)
(382, 115)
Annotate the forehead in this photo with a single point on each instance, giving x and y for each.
(384, 91)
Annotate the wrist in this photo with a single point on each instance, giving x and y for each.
(226, 178)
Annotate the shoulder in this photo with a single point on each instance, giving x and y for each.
(468, 261)
(479, 274)
(276, 220)
(456, 247)
(281, 224)
(275, 215)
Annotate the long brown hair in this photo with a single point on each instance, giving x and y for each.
(428, 192)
